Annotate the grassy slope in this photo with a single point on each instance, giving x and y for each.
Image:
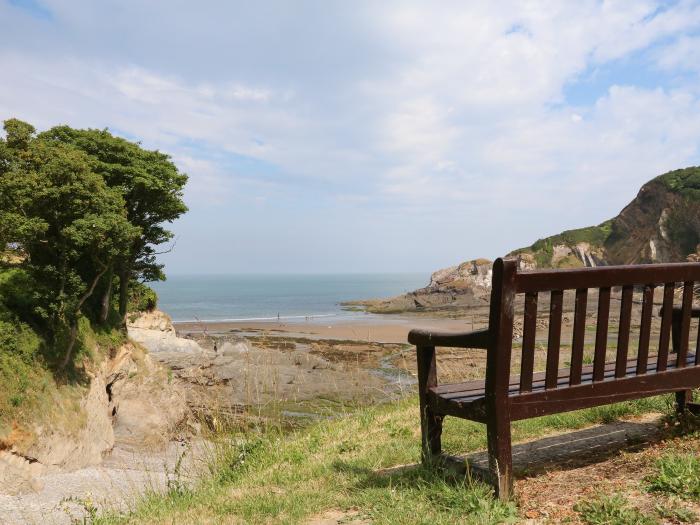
(269, 477)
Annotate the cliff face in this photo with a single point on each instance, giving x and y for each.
(661, 224)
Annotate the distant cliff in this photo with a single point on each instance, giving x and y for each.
(661, 224)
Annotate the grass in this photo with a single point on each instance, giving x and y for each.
(350, 464)
(677, 474)
(677, 514)
(612, 510)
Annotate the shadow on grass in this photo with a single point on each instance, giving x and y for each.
(561, 452)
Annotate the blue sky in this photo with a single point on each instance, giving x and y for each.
(333, 136)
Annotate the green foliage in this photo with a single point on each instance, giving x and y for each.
(76, 207)
(685, 182)
(677, 474)
(142, 298)
(150, 185)
(82, 228)
(611, 510)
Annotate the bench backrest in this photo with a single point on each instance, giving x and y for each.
(628, 281)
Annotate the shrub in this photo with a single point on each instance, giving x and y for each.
(142, 298)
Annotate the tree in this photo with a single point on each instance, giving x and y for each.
(152, 189)
(17, 186)
(79, 227)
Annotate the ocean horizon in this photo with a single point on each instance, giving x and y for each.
(288, 297)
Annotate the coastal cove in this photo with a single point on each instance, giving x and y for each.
(332, 263)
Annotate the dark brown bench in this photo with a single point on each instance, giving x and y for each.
(503, 398)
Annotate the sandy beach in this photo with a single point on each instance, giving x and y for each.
(378, 329)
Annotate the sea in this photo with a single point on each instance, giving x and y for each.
(289, 298)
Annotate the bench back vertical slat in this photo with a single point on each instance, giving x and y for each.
(687, 306)
(697, 347)
(553, 344)
(645, 329)
(578, 336)
(529, 332)
(601, 335)
(623, 334)
(501, 313)
(665, 333)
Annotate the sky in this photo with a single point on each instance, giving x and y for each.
(333, 136)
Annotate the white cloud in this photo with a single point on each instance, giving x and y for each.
(449, 111)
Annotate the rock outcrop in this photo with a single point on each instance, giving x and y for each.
(154, 330)
(128, 400)
(462, 286)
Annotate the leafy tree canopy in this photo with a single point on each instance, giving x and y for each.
(76, 206)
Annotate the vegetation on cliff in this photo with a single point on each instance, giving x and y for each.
(542, 250)
(685, 182)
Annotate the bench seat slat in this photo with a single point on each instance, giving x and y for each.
(464, 392)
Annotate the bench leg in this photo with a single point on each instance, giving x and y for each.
(431, 433)
(684, 403)
(684, 399)
(431, 423)
(500, 456)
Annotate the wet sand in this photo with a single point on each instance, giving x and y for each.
(392, 329)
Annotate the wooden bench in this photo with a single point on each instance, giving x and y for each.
(503, 398)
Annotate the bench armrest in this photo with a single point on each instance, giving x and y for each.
(477, 339)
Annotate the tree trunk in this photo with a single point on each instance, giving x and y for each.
(123, 293)
(74, 323)
(107, 295)
(71, 344)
